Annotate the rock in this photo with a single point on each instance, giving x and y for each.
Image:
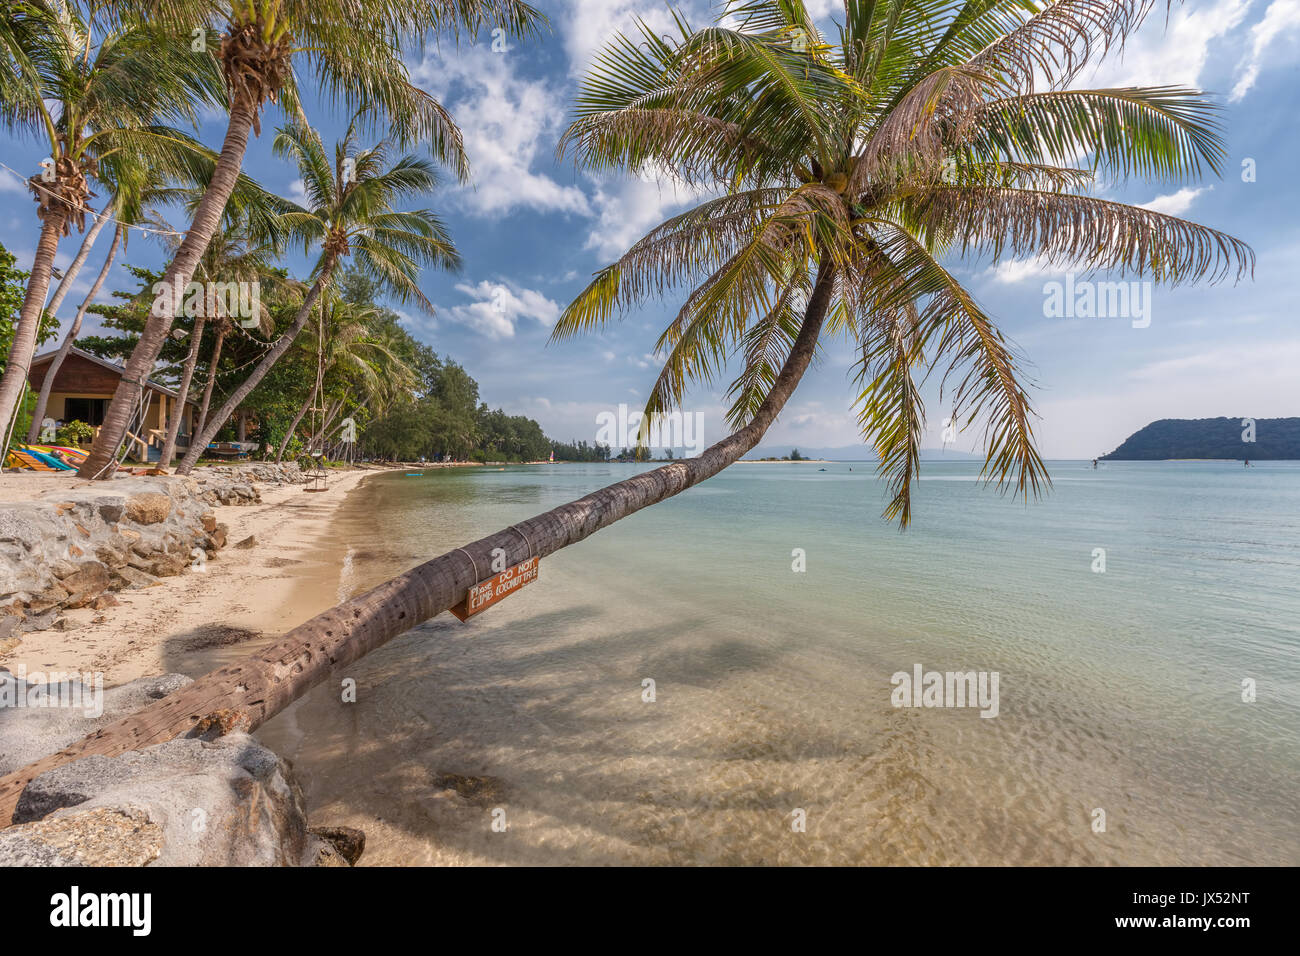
(29, 733)
(228, 802)
(104, 602)
(102, 836)
(348, 841)
(110, 557)
(209, 522)
(249, 542)
(46, 598)
(169, 565)
(88, 583)
(19, 526)
(218, 537)
(132, 579)
(482, 791)
(111, 508)
(148, 507)
(62, 569)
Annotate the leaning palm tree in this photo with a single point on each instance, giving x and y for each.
(239, 252)
(353, 213)
(95, 98)
(347, 353)
(846, 175)
(355, 49)
(137, 195)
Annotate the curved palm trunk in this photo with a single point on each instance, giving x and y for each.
(284, 443)
(18, 363)
(201, 439)
(102, 460)
(187, 373)
(65, 285)
(254, 690)
(38, 414)
(14, 380)
(213, 365)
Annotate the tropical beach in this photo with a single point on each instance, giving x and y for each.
(374, 375)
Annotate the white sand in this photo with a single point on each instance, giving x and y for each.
(158, 629)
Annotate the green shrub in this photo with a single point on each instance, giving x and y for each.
(74, 433)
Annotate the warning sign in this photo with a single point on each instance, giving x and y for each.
(483, 595)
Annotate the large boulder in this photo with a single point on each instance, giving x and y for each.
(186, 802)
(225, 802)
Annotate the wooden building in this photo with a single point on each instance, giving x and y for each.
(84, 387)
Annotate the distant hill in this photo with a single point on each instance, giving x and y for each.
(854, 453)
(1275, 438)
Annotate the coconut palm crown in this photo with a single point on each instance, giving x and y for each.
(925, 130)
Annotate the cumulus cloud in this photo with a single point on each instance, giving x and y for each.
(1170, 51)
(1281, 17)
(497, 308)
(509, 123)
(1175, 204)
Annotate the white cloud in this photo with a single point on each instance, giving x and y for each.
(590, 24)
(626, 209)
(1017, 270)
(1175, 204)
(498, 307)
(297, 192)
(1170, 51)
(1282, 16)
(9, 183)
(509, 123)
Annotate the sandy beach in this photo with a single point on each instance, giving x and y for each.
(240, 597)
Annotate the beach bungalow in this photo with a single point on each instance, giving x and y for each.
(84, 386)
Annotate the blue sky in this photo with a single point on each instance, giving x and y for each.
(538, 227)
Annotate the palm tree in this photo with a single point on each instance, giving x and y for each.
(96, 97)
(846, 174)
(352, 213)
(849, 171)
(355, 49)
(237, 253)
(136, 195)
(347, 349)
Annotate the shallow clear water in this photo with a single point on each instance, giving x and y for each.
(1118, 691)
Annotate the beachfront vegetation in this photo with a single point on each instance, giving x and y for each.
(263, 49)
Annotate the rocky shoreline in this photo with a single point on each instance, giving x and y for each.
(72, 547)
(208, 799)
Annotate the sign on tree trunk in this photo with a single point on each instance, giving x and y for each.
(487, 593)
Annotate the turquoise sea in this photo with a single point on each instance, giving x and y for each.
(1122, 737)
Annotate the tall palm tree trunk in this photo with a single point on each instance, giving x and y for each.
(254, 690)
(23, 347)
(210, 428)
(65, 284)
(38, 414)
(102, 460)
(284, 442)
(213, 365)
(187, 373)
